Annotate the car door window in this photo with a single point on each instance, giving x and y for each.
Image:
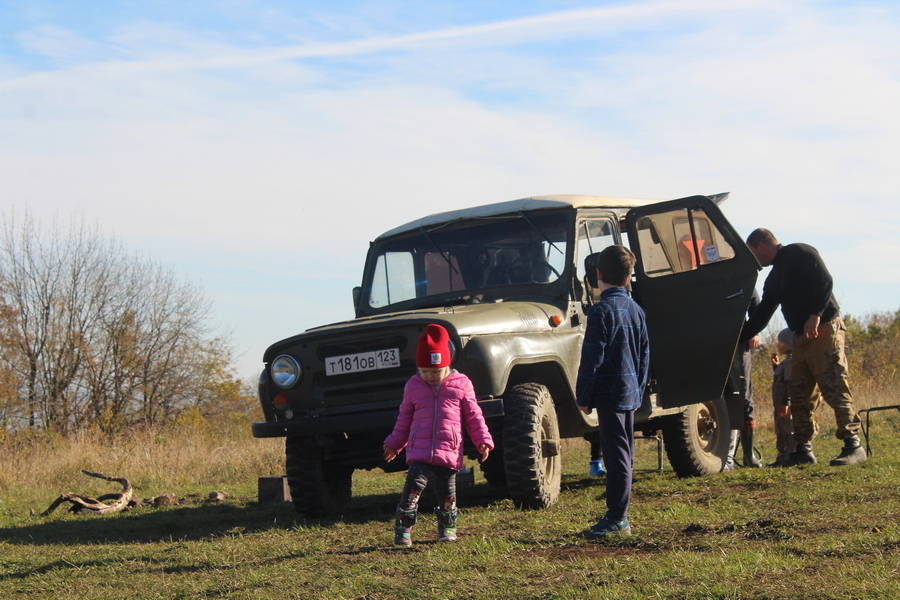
(680, 240)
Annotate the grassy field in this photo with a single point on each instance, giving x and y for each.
(810, 533)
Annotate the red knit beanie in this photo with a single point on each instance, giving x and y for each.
(433, 351)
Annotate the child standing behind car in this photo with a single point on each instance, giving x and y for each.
(437, 403)
(781, 402)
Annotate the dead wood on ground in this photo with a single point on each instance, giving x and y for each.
(96, 506)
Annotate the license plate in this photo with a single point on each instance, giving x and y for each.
(364, 361)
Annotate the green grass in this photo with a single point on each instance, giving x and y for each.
(810, 533)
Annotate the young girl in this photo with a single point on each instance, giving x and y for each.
(437, 402)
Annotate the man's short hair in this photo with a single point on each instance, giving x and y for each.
(761, 236)
(615, 264)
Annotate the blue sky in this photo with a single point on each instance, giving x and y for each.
(258, 146)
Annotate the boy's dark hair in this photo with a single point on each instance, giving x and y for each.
(761, 236)
(615, 264)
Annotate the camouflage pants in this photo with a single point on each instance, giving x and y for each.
(821, 361)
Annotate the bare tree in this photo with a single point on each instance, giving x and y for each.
(93, 335)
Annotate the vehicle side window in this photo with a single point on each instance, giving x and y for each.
(678, 241)
(393, 279)
(593, 236)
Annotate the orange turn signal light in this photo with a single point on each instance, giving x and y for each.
(555, 320)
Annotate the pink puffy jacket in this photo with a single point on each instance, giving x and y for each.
(431, 420)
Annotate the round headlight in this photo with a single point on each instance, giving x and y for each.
(286, 371)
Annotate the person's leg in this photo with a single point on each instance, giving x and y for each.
(802, 392)
(617, 435)
(617, 438)
(595, 466)
(407, 509)
(446, 511)
(784, 435)
(828, 363)
(736, 406)
(748, 429)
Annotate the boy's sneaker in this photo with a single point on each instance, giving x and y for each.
(446, 534)
(607, 527)
(403, 536)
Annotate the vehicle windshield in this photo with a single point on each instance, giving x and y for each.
(466, 257)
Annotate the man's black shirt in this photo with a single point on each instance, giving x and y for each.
(801, 284)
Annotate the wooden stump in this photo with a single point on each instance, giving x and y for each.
(273, 489)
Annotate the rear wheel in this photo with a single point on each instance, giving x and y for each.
(531, 450)
(319, 488)
(696, 440)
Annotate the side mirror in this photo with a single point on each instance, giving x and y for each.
(357, 294)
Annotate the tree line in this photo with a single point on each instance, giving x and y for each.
(873, 356)
(94, 336)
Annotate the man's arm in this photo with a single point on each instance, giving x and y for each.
(760, 318)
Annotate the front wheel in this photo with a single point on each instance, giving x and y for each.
(319, 488)
(531, 450)
(696, 440)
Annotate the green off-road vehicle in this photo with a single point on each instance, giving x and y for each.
(507, 280)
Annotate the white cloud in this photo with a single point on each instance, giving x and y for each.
(244, 163)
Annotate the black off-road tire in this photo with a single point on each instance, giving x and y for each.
(696, 440)
(532, 458)
(318, 488)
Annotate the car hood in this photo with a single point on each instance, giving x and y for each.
(472, 319)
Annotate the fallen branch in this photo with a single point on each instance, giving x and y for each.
(96, 506)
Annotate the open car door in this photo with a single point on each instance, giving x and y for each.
(694, 278)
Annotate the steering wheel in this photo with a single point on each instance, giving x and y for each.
(531, 264)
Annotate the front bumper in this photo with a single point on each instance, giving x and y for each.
(383, 419)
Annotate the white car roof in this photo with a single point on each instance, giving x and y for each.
(620, 206)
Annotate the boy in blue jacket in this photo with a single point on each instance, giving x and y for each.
(614, 369)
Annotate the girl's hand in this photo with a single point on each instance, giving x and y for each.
(485, 451)
(389, 454)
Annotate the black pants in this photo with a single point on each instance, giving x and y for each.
(442, 478)
(617, 439)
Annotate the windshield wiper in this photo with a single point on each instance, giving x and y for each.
(436, 247)
(540, 231)
(454, 301)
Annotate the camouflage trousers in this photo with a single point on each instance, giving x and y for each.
(821, 361)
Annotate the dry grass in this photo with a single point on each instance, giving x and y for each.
(811, 533)
(191, 456)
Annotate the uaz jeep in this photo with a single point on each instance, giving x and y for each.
(507, 280)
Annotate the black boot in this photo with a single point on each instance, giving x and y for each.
(747, 442)
(851, 454)
(803, 455)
